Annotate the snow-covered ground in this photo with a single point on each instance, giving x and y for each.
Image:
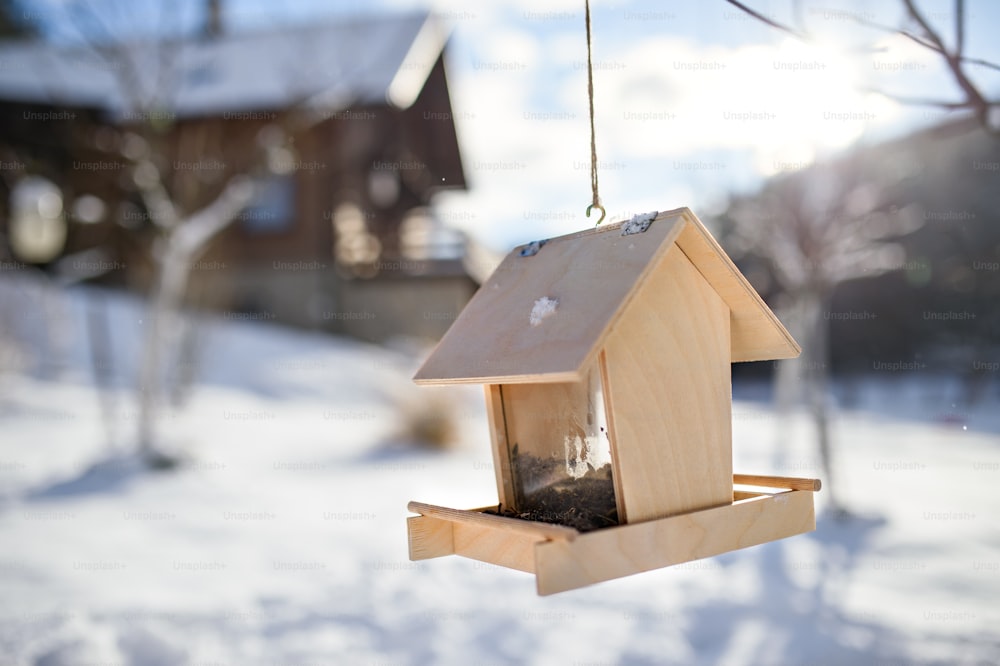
(282, 541)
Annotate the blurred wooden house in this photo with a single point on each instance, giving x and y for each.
(356, 122)
(927, 302)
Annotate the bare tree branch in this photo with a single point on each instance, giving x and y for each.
(954, 62)
(920, 41)
(203, 225)
(771, 22)
(959, 27)
(801, 34)
(168, 52)
(980, 62)
(920, 101)
(130, 80)
(930, 40)
(860, 20)
(154, 194)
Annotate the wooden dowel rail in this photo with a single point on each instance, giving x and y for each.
(792, 483)
(497, 522)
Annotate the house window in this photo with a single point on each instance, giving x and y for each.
(37, 223)
(273, 211)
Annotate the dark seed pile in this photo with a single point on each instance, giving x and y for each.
(585, 504)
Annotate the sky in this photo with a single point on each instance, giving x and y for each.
(693, 100)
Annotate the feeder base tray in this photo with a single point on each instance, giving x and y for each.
(564, 559)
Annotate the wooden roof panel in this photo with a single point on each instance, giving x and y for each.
(592, 276)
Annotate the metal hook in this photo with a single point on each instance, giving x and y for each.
(603, 212)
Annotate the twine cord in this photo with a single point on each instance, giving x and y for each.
(596, 199)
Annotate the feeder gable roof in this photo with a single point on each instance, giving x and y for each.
(542, 318)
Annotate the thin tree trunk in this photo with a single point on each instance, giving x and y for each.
(164, 306)
(788, 378)
(817, 370)
(173, 254)
(100, 358)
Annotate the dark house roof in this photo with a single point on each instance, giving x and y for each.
(330, 67)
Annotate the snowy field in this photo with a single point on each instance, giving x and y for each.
(282, 540)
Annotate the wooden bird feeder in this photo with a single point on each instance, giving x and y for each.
(606, 356)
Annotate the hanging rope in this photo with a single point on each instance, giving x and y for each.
(596, 201)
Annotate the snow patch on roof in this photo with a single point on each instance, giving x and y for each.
(333, 65)
(543, 308)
